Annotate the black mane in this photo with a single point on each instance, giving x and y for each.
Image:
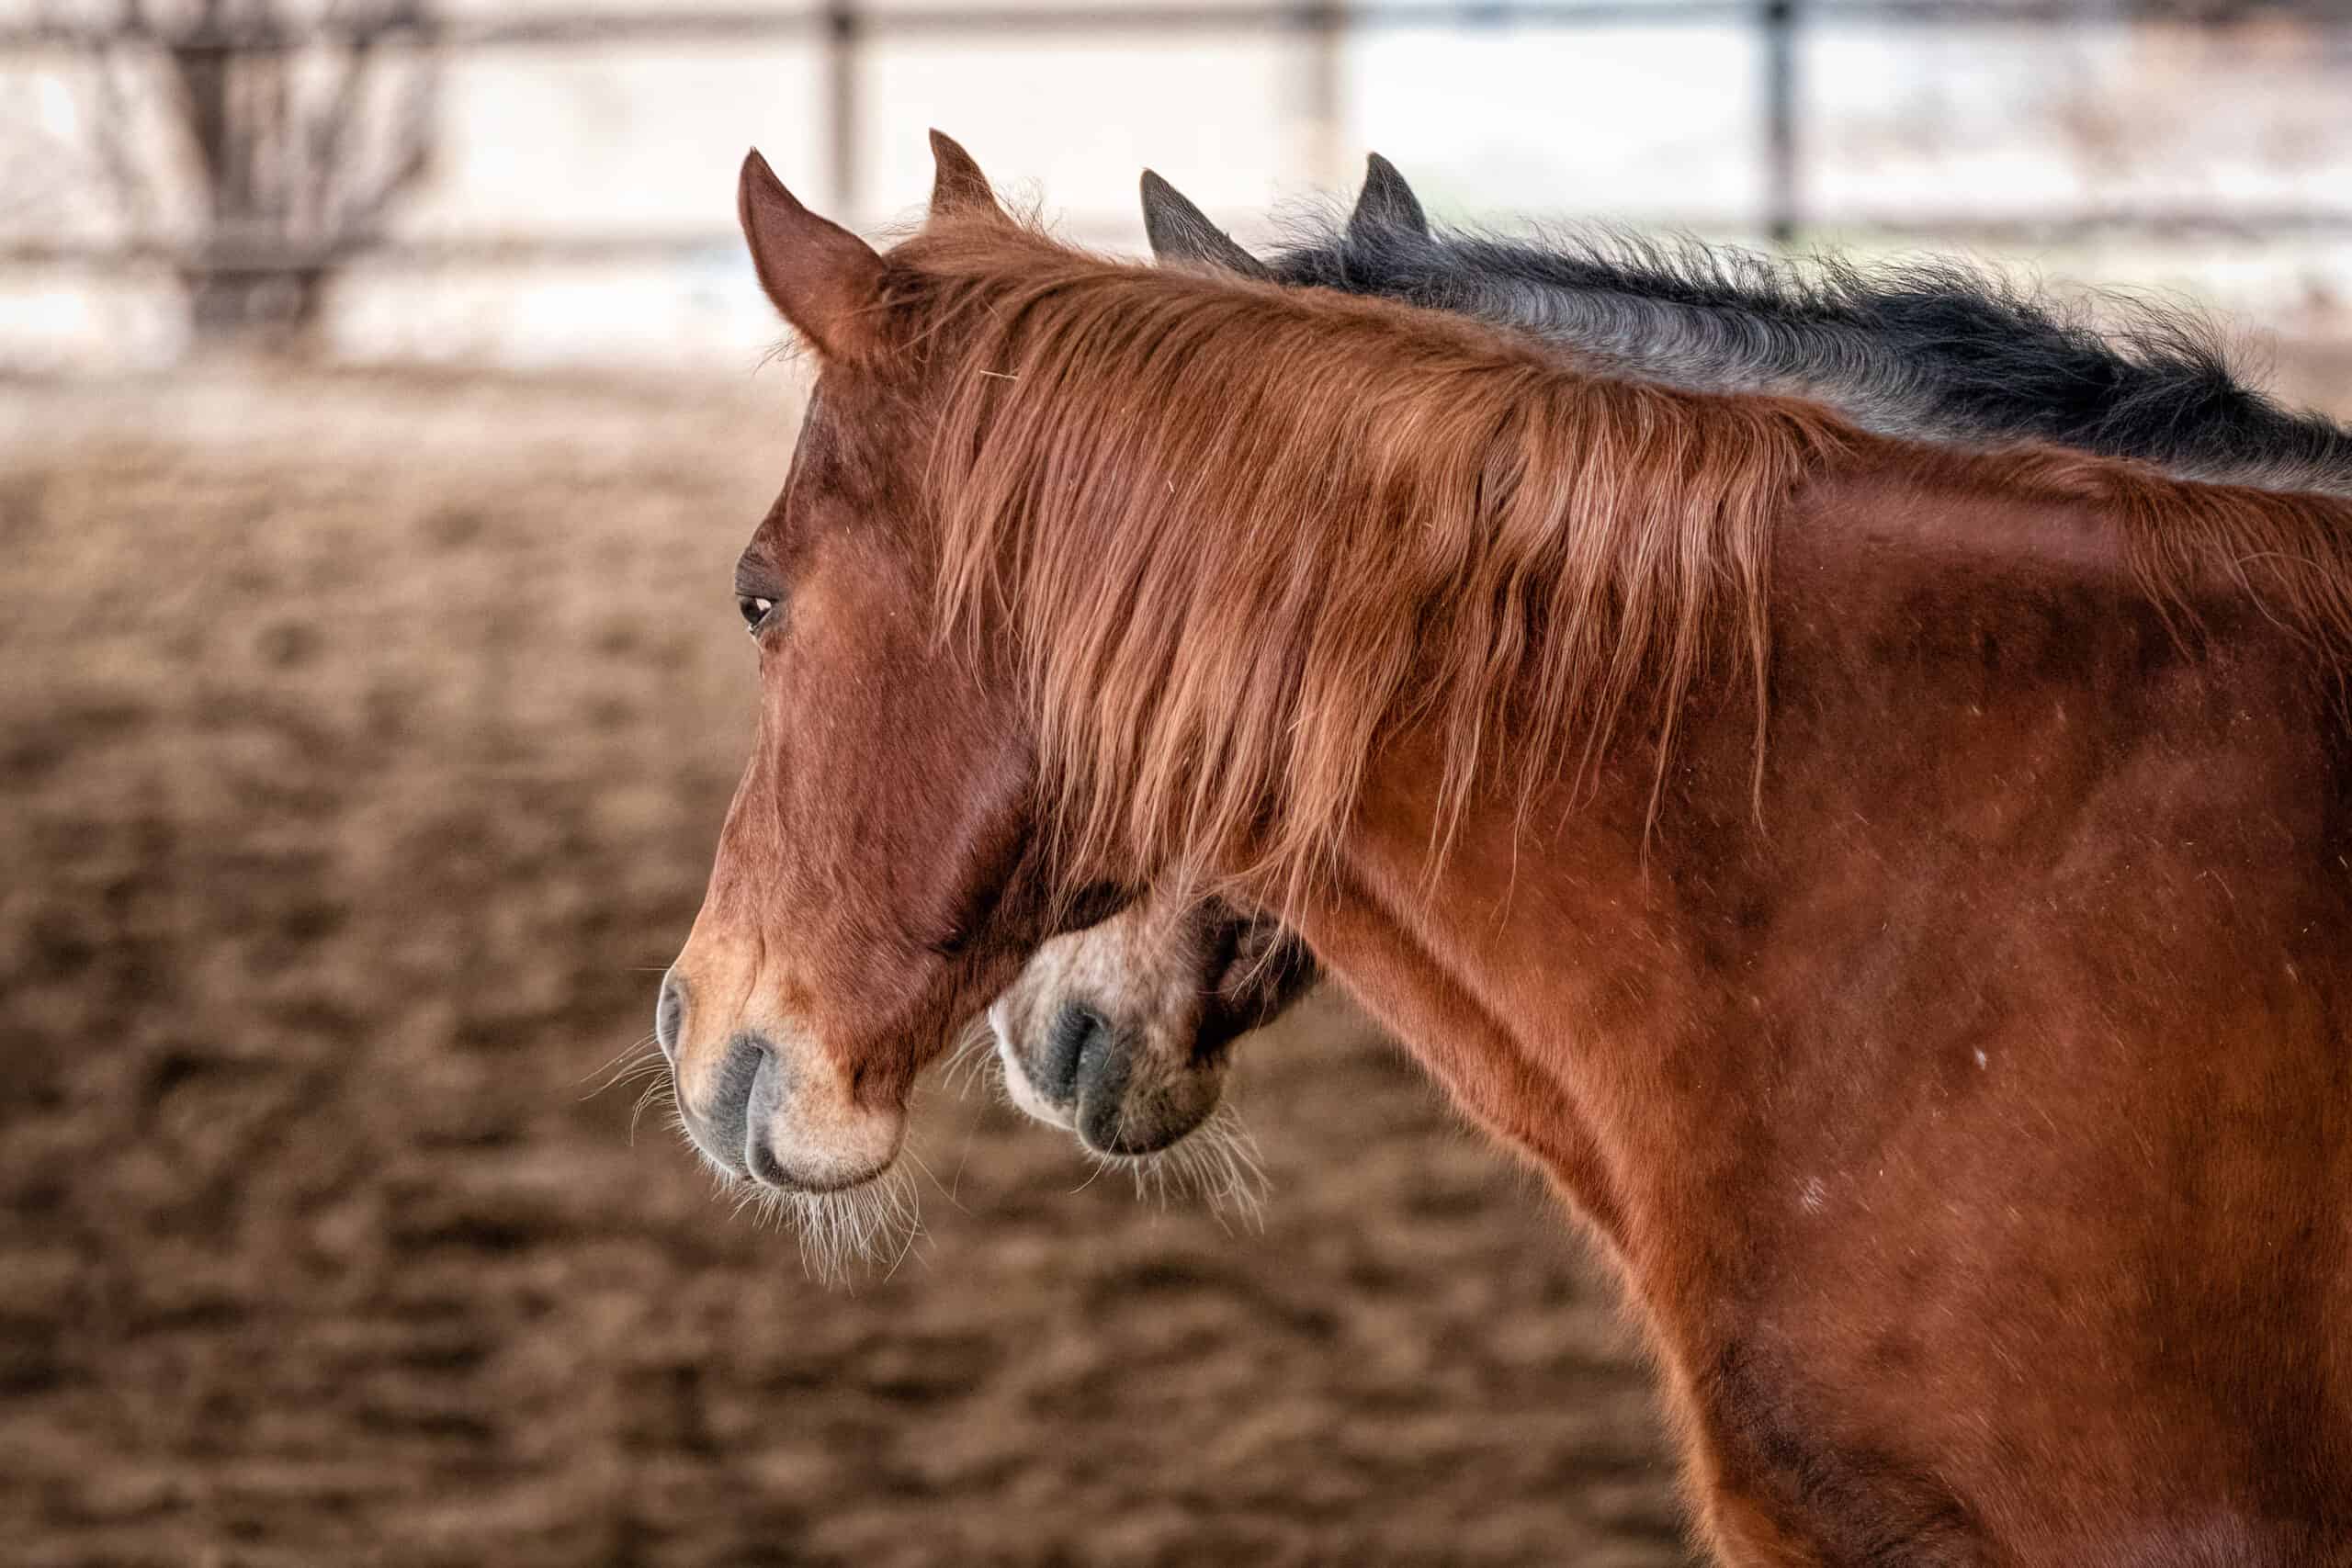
(1930, 349)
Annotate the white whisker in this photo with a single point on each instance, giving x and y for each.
(875, 1224)
(924, 1165)
(659, 1090)
(642, 1055)
(1217, 1163)
(972, 1055)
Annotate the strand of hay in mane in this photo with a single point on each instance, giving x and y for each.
(1243, 537)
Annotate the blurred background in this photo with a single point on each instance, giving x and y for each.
(384, 397)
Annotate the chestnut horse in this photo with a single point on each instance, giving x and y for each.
(1125, 1033)
(1899, 896)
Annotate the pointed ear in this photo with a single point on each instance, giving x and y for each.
(824, 279)
(1181, 234)
(957, 184)
(1386, 202)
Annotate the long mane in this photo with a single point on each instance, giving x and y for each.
(1243, 536)
(1932, 349)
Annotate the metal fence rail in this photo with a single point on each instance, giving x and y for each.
(845, 30)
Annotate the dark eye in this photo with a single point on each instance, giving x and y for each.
(756, 610)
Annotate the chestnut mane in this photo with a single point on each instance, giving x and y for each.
(1243, 536)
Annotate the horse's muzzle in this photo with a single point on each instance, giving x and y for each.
(722, 1127)
(1103, 1084)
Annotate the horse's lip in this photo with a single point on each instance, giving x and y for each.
(766, 1171)
(1117, 1140)
(1133, 1148)
(762, 1168)
(760, 1161)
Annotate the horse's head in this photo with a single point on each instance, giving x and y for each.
(876, 878)
(989, 672)
(1121, 1032)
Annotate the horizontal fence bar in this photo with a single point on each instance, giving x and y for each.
(673, 246)
(850, 27)
(721, 24)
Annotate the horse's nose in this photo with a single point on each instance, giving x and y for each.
(766, 1097)
(1079, 1034)
(721, 1127)
(669, 1016)
(1099, 1075)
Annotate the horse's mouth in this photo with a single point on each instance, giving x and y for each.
(1104, 1089)
(768, 1123)
(763, 1169)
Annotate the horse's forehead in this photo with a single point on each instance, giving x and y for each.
(815, 475)
(841, 468)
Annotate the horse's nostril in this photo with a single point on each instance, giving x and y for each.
(669, 1016)
(719, 1120)
(760, 1105)
(1077, 1028)
(1104, 1076)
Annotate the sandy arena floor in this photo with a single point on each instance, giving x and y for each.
(363, 740)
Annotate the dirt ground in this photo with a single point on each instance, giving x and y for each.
(363, 742)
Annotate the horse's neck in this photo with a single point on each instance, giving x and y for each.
(1968, 710)
(1533, 946)
(2024, 863)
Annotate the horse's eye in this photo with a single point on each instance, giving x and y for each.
(756, 612)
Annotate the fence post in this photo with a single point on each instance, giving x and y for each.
(1781, 213)
(1320, 22)
(845, 37)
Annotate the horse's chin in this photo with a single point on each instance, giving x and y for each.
(847, 1219)
(1117, 1132)
(775, 1177)
(805, 1147)
(764, 1172)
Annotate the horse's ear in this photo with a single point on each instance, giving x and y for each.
(1181, 234)
(957, 184)
(1386, 203)
(823, 278)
